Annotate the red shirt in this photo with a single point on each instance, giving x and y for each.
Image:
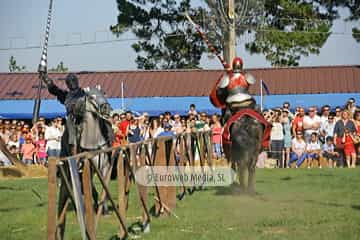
(120, 135)
(298, 123)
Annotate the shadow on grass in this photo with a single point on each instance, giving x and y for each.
(356, 207)
(286, 178)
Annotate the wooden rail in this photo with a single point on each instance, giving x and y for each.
(162, 151)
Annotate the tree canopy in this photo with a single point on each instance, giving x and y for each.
(14, 67)
(59, 68)
(284, 31)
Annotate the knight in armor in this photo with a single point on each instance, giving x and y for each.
(231, 91)
(71, 98)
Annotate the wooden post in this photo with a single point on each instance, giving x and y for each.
(160, 160)
(171, 190)
(51, 224)
(89, 208)
(121, 191)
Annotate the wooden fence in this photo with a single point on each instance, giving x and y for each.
(162, 151)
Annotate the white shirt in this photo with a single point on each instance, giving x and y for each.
(298, 146)
(277, 132)
(53, 136)
(310, 121)
(313, 146)
(328, 128)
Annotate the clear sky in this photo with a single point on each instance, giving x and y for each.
(22, 24)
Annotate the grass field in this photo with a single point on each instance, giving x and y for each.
(291, 204)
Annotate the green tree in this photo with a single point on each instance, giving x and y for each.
(283, 30)
(59, 68)
(13, 67)
(166, 40)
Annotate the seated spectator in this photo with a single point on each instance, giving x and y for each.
(313, 150)
(328, 152)
(27, 150)
(298, 150)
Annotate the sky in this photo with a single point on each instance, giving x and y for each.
(22, 24)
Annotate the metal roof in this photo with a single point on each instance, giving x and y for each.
(178, 83)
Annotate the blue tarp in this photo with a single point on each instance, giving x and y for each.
(22, 109)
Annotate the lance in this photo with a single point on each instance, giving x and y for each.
(206, 40)
(42, 69)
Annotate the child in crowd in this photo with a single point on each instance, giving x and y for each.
(27, 150)
(41, 149)
(298, 150)
(313, 149)
(328, 152)
(349, 148)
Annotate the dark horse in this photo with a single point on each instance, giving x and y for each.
(93, 132)
(243, 138)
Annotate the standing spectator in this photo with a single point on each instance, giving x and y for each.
(327, 128)
(14, 141)
(177, 126)
(351, 106)
(123, 125)
(27, 150)
(357, 126)
(277, 141)
(311, 123)
(41, 154)
(338, 112)
(216, 136)
(328, 152)
(114, 122)
(349, 148)
(325, 112)
(287, 135)
(313, 150)
(286, 106)
(167, 116)
(53, 139)
(298, 150)
(133, 131)
(155, 128)
(4, 161)
(339, 131)
(298, 121)
(192, 110)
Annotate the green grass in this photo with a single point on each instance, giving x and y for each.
(291, 204)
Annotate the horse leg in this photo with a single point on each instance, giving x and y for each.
(251, 183)
(243, 170)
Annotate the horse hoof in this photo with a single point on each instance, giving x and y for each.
(146, 227)
(181, 196)
(191, 191)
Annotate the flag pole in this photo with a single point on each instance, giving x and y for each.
(122, 95)
(261, 95)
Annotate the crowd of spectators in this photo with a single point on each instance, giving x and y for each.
(297, 136)
(309, 135)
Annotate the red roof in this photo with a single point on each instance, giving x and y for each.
(297, 80)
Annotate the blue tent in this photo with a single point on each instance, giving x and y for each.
(22, 109)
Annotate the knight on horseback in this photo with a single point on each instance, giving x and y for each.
(231, 91)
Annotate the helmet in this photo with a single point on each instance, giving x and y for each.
(237, 65)
(72, 81)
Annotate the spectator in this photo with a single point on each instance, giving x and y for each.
(298, 150)
(327, 128)
(340, 126)
(298, 121)
(287, 136)
(4, 161)
(192, 110)
(325, 112)
(286, 106)
(167, 131)
(53, 139)
(133, 131)
(114, 122)
(351, 106)
(41, 154)
(216, 136)
(349, 148)
(121, 134)
(27, 150)
(167, 116)
(338, 112)
(277, 140)
(313, 150)
(357, 126)
(328, 152)
(155, 128)
(177, 126)
(311, 124)
(13, 141)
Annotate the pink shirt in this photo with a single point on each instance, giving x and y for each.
(41, 148)
(216, 137)
(27, 149)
